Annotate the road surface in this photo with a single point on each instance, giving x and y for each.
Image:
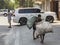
(26, 34)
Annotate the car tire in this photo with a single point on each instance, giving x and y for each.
(50, 19)
(5, 14)
(23, 21)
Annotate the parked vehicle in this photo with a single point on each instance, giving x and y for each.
(22, 15)
(4, 12)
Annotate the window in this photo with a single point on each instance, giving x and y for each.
(29, 11)
(3, 10)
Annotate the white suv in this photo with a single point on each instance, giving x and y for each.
(22, 15)
(4, 12)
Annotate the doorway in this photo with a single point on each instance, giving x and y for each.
(54, 7)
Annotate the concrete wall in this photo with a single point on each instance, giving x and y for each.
(46, 5)
(59, 10)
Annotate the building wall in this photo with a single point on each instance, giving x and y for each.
(47, 5)
(54, 6)
(59, 10)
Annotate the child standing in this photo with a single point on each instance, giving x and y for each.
(9, 18)
(38, 19)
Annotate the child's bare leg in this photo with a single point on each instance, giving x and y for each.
(41, 37)
(9, 23)
(37, 36)
(33, 34)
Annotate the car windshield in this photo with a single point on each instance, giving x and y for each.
(29, 11)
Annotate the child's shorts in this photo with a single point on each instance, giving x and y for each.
(9, 20)
(34, 27)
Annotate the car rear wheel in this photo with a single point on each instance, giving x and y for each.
(23, 21)
(50, 19)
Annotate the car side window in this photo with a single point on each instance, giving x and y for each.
(29, 11)
(38, 10)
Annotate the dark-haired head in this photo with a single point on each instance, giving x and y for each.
(39, 15)
(8, 10)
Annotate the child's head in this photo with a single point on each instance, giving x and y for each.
(8, 10)
(39, 15)
(39, 18)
